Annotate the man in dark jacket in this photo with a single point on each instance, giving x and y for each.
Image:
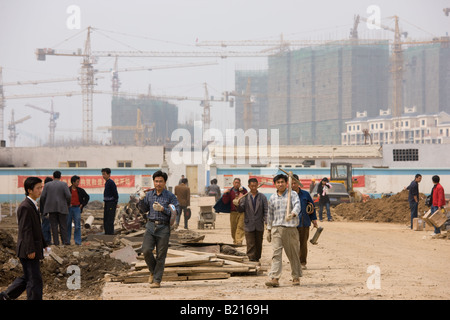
(254, 205)
(30, 245)
(78, 201)
(110, 198)
(55, 201)
(324, 200)
(413, 197)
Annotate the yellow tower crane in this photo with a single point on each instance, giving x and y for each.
(53, 117)
(247, 103)
(139, 130)
(12, 128)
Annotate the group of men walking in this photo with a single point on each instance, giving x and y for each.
(251, 211)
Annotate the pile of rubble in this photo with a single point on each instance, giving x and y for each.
(99, 258)
(92, 261)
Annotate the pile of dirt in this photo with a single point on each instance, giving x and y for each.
(91, 261)
(389, 209)
(10, 266)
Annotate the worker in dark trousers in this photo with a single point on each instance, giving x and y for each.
(157, 202)
(30, 245)
(306, 217)
(110, 198)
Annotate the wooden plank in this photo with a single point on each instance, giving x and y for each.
(231, 257)
(143, 279)
(183, 261)
(178, 261)
(133, 244)
(185, 270)
(208, 276)
(56, 257)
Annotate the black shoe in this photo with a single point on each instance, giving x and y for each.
(4, 296)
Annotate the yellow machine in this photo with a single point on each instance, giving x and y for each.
(342, 172)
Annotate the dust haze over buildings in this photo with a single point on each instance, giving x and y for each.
(343, 79)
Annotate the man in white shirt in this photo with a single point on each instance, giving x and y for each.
(282, 231)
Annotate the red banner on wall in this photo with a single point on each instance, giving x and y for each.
(89, 182)
(358, 181)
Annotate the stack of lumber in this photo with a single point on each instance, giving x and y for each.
(183, 265)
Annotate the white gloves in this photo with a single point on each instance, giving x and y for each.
(290, 216)
(157, 207)
(141, 195)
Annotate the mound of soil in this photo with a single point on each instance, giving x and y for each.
(390, 209)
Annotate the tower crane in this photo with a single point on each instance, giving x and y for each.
(115, 82)
(89, 58)
(280, 45)
(115, 72)
(205, 102)
(12, 128)
(403, 33)
(139, 129)
(397, 52)
(247, 103)
(21, 96)
(354, 30)
(53, 117)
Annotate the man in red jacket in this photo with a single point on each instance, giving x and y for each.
(231, 196)
(438, 197)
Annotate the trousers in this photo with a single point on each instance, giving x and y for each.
(303, 234)
(58, 222)
(237, 227)
(75, 216)
(31, 281)
(156, 236)
(254, 240)
(414, 207)
(285, 238)
(109, 215)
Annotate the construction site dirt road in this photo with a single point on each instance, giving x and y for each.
(353, 261)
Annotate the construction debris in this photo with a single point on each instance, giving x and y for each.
(190, 264)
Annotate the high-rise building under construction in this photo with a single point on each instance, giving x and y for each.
(142, 121)
(313, 91)
(251, 93)
(427, 77)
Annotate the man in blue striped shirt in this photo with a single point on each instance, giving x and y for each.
(156, 203)
(282, 231)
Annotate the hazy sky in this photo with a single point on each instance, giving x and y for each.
(169, 25)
